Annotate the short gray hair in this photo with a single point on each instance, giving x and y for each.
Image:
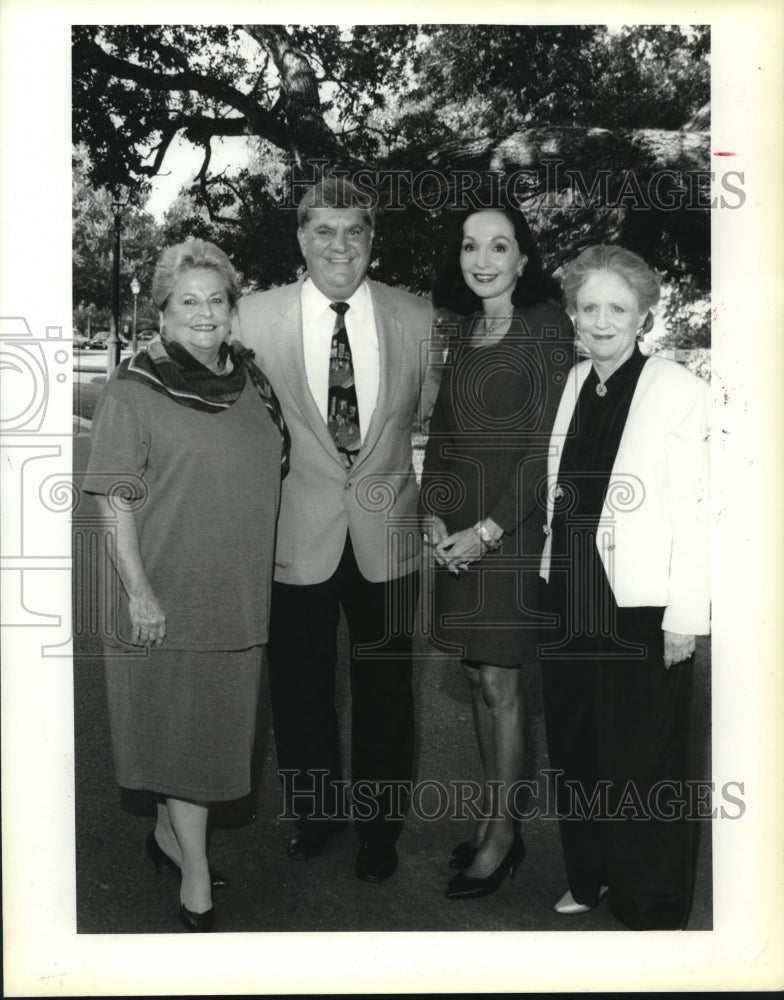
(187, 256)
(336, 192)
(627, 265)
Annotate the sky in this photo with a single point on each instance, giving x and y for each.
(182, 163)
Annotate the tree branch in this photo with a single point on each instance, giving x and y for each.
(222, 179)
(308, 134)
(162, 148)
(258, 119)
(200, 128)
(201, 178)
(580, 148)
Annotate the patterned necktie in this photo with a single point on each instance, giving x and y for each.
(342, 409)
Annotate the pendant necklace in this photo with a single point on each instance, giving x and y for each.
(601, 389)
(493, 325)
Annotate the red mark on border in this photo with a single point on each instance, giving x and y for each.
(725, 154)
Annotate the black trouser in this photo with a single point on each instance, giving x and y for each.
(570, 723)
(625, 723)
(302, 657)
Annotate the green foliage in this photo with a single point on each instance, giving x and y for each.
(650, 77)
(190, 75)
(403, 97)
(494, 79)
(93, 244)
(685, 315)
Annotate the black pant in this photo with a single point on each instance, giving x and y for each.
(302, 656)
(625, 724)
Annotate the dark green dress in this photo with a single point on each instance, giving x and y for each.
(486, 456)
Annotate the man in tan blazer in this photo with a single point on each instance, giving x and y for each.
(347, 533)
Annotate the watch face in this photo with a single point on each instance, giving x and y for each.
(484, 534)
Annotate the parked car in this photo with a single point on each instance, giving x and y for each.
(100, 340)
(143, 338)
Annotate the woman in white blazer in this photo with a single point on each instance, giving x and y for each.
(626, 565)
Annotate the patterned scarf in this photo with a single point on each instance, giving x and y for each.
(167, 367)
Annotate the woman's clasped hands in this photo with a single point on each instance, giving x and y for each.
(456, 551)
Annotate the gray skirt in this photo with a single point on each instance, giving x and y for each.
(183, 722)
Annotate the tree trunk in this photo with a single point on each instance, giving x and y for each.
(309, 138)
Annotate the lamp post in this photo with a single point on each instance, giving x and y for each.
(113, 341)
(135, 289)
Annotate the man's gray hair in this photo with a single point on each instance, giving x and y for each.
(336, 192)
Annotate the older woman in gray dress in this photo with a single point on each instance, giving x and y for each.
(188, 450)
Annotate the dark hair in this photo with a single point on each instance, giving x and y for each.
(191, 255)
(335, 192)
(630, 267)
(450, 290)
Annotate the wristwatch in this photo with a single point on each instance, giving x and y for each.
(484, 534)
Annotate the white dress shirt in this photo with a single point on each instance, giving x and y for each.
(318, 323)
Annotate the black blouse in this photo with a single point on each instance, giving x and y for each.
(592, 443)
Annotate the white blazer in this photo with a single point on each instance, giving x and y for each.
(654, 530)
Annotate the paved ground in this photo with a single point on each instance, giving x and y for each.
(119, 892)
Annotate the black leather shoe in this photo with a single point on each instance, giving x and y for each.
(464, 886)
(198, 923)
(308, 843)
(161, 860)
(463, 855)
(376, 862)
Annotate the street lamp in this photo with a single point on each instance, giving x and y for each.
(113, 341)
(135, 289)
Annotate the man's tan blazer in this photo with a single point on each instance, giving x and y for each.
(377, 500)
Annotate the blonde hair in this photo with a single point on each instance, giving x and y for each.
(187, 256)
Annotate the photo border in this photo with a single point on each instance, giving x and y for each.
(43, 954)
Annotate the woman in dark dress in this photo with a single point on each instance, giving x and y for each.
(188, 450)
(627, 564)
(484, 462)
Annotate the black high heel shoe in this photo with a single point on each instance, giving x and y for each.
(463, 855)
(463, 886)
(161, 859)
(197, 922)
